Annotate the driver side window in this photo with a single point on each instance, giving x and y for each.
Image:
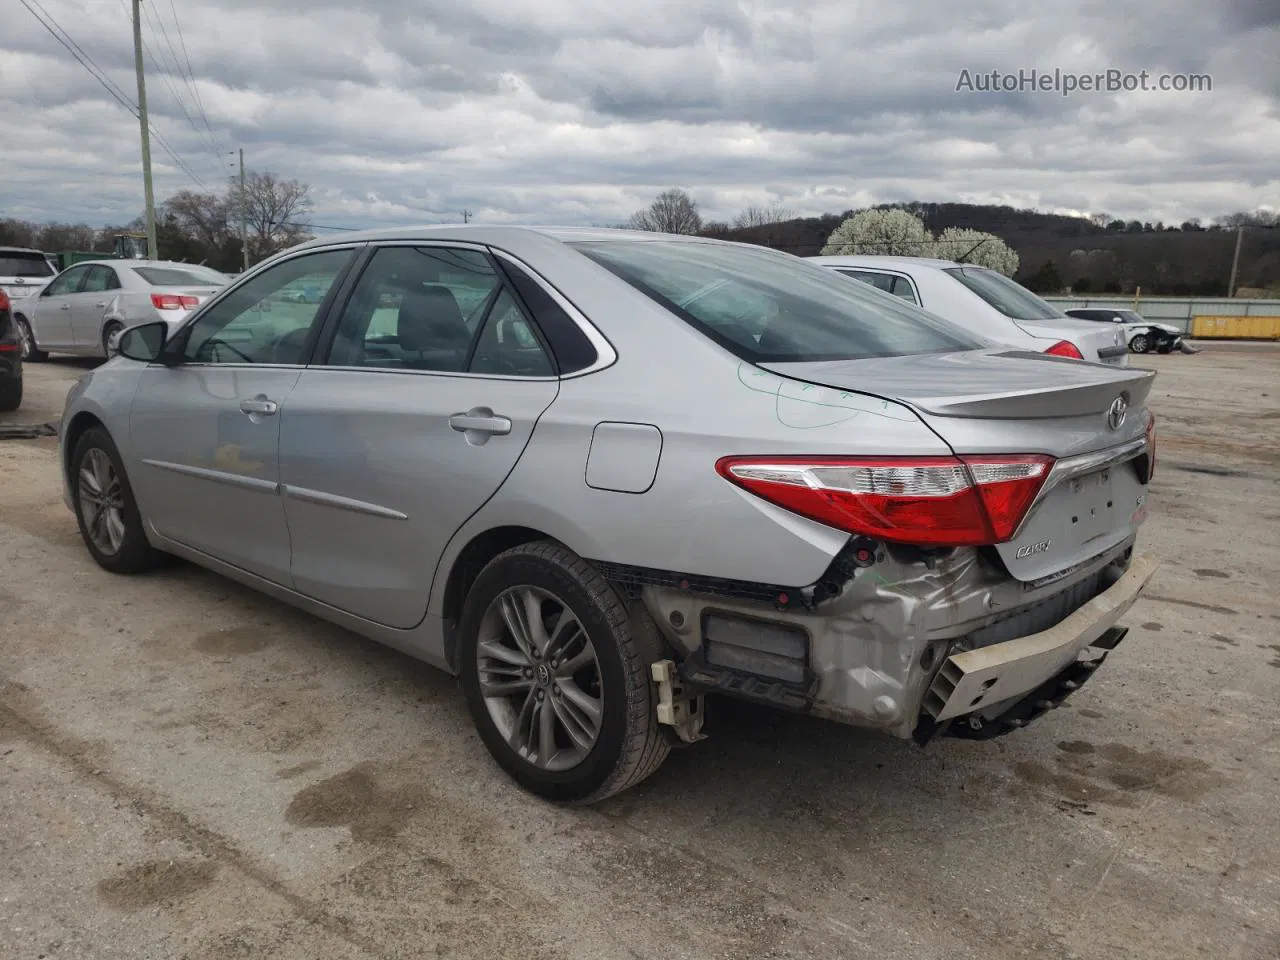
(269, 319)
(68, 281)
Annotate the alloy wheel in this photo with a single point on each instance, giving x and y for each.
(102, 501)
(26, 340)
(540, 678)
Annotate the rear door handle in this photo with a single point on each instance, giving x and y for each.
(259, 406)
(102, 303)
(481, 420)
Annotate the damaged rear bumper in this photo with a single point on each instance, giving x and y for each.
(997, 675)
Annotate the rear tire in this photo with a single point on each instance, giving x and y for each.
(109, 331)
(1140, 343)
(608, 701)
(30, 352)
(106, 510)
(10, 394)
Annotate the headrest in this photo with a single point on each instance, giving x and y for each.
(431, 320)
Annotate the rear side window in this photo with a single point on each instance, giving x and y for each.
(569, 345)
(766, 306)
(24, 265)
(889, 283)
(1011, 299)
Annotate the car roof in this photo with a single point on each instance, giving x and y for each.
(114, 262)
(884, 262)
(496, 234)
(23, 250)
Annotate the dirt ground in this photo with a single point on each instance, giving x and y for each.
(190, 770)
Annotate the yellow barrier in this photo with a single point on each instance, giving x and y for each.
(1253, 328)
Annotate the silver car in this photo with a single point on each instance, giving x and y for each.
(985, 302)
(82, 308)
(599, 474)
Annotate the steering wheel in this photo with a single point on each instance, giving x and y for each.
(206, 351)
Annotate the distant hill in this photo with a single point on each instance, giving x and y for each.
(1114, 257)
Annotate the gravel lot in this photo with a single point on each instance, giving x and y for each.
(190, 770)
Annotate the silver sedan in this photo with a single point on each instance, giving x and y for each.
(81, 309)
(598, 474)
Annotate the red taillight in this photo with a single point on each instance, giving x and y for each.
(1065, 348)
(4, 301)
(1151, 445)
(951, 501)
(173, 301)
(8, 346)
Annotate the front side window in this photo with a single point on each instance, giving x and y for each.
(69, 281)
(765, 306)
(1012, 299)
(436, 309)
(250, 325)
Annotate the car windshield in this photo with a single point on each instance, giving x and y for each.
(188, 275)
(1011, 299)
(24, 265)
(765, 306)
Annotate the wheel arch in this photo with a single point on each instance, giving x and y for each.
(76, 428)
(471, 559)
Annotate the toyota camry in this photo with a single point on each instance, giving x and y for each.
(599, 474)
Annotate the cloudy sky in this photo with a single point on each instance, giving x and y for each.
(579, 111)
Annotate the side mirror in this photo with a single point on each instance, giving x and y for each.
(143, 342)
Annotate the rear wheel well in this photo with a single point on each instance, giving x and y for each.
(475, 556)
(72, 434)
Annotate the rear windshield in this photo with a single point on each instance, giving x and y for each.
(24, 265)
(180, 277)
(1011, 299)
(766, 307)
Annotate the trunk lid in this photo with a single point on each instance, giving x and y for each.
(1100, 343)
(1010, 402)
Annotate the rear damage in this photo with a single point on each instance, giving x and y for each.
(921, 640)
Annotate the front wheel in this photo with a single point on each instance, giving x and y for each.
(10, 394)
(556, 675)
(106, 510)
(1140, 343)
(30, 352)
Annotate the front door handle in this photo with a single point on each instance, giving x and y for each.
(65, 306)
(259, 407)
(102, 303)
(480, 423)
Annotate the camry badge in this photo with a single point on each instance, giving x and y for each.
(1118, 410)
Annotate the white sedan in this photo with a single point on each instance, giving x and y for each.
(85, 306)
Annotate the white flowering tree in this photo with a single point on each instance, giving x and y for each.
(890, 232)
(983, 249)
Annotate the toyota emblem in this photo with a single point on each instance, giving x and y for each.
(1116, 413)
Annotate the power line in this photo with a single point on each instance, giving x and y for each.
(58, 33)
(177, 67)
(191, 78)
(167, 77)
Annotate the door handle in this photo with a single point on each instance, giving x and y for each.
(259, 406)
(481, 420)
(101, 303)
(65, 306)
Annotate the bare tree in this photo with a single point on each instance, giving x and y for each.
(275, 211)
(755, 216)
(203, 216)
(672, 211)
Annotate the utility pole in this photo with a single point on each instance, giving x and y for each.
(244, 216)
(466, 216)
(1235, 262)
(146, 131)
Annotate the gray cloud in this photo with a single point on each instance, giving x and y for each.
(574, 111)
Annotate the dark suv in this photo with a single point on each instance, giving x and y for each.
(10, 358)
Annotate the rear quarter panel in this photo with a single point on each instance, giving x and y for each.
(707, 404)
